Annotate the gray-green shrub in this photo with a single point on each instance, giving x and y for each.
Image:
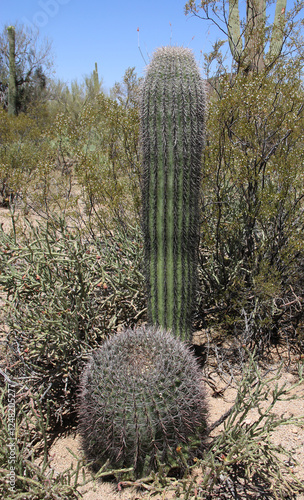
(66, 293)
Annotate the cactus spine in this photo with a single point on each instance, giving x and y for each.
(251, 56)
(172, 121)
(12, 87)
(142, 403)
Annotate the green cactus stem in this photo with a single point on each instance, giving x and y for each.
(96, 80)
(12, 87)
(234, 34)
(276, 42)
(251, 56)
(172, 123)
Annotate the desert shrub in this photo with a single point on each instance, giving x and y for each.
(251, 258)
(52, 156)
(24, 145)
(252, 218)
(25, 470)
(66, 293)
(102, 140)
(108, 163)
(142, 403)
(243, 455)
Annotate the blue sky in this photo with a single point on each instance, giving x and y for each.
(85, 31)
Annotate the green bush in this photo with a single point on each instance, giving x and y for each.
(24, 147)
(252, 255)
(66, 293)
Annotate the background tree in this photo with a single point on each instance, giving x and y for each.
(72, 99)
(126, 92)
(33, 63)
(98, 135)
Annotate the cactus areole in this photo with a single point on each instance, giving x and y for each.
(172, 126)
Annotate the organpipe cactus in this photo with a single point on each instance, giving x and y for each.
(142, 403)
(172, 126)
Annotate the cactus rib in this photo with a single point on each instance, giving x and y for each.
(172, 115)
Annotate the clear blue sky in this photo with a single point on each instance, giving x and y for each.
(105, 31)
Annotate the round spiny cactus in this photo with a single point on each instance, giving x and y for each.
(142, 403)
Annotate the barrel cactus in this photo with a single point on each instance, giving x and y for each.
(142, 402)
(172, 126)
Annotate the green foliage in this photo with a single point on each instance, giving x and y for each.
(71, 100)
(100, 134)
(142, 403)
(251, 245)
(108, 158)
(244, 448)
(255, 43)
(172, 115)
(84, 148)
(31, 71)
(127, 91)
(25, 150)
(251, 255)
(26, 469)
(23, 438)
(66, 293)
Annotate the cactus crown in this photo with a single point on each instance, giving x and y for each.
(172, 123)
(142, 402)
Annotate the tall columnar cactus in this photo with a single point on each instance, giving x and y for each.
(172, 122)
(96, 80)
(250, 55)
(12, 87)
(142, 403)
